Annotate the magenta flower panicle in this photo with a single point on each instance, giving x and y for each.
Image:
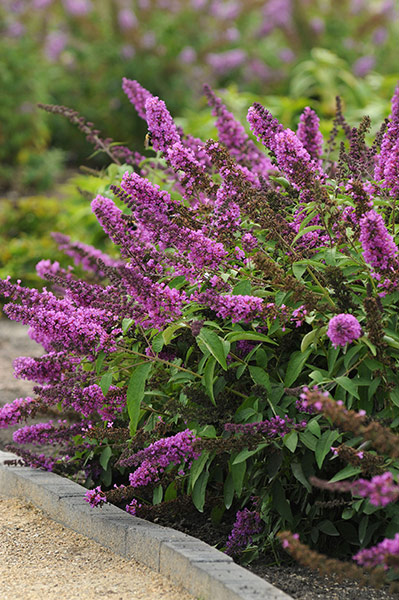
(343, 329)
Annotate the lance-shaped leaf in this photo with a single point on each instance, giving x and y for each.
(135, 394)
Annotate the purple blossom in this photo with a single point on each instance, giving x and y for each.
(295, 162)
(188, 55)
(126, 19)
(83, 254)
(236, 307)
(276, 13)
(77, 8)
(55, 44)
(380, 490)
(390, 138)
(309, 134)
(47, 433)
(160, 124)
(343, 329)
(271, 428)
(154, 459)
(379, 555)
(363, 65)
(247, 524)
(233, 135)
(44, 369)
(391, 171)
(95, 497)
(13, 412)
(224, 62)
(133, 507)
(379, 249)
(264, 126)
(137, 95)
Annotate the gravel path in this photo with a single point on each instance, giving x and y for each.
(42, 560)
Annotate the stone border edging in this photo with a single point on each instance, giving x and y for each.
(203, 571)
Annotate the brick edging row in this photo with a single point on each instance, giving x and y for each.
(203, 571)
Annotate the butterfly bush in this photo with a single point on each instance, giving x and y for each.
(240, 342)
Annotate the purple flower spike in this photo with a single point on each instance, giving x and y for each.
(343, 329)
(247, 525)
(309, 134)
(264, 126)
(160, 124)
(137, 95)
(379, 249)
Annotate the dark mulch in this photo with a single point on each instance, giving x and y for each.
(293, 579)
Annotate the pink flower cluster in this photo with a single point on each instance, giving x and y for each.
(95, 497)
(379, 555)
(247, 524)
(343, 329)
(154, 459)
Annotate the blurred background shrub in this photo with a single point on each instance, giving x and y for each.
(75, 53)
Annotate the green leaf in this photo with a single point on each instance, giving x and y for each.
(309, 338)
(348, 384)
(295, 366)
(298, 270)
(328, 528)
(260, 377)
(157, 342)
(280, 502)
(105, 382)
(243, 288)
(199, 490)
(290, 440)
(197, 467)
(350, 354)
(347, 513)
(157, 495)
(308, 440)
(305, 230)
(298, 473)
(105, 456)
(314, 427)
(372, 388)
(323, 446)
(208, 431)
(177, 282)
(228, 491)
(238, 474)
(170, 331)
(248, 335)
(99, 361)
(208, 377)
(170, 492)
(214, 344)
(135, 394)
(346, 472)
(126, 324)
(244, 454)
(363, 528)
(394, 396)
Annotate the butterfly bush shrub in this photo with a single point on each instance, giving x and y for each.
(239, 355)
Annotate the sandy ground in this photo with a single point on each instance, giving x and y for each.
(41, 559)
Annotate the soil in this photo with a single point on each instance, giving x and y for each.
(299, 582)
